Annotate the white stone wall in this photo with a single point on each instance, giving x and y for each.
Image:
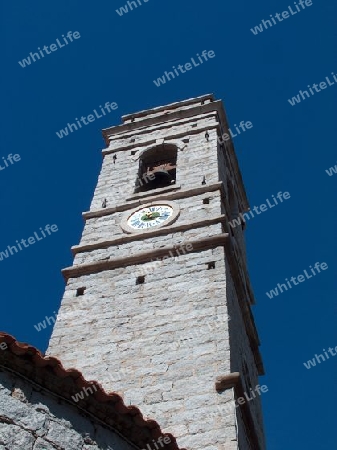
(108, 228)
(32, 420)
(117, 180)
(160, 344)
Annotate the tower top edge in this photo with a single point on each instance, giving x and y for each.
(184, 109)
(174, 105)
(135, 120)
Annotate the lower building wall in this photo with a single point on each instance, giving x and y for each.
(33, 420)
(160, 345)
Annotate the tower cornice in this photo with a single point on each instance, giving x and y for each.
(149, 234)
(174, 105)
(168, 115)
(145, 198)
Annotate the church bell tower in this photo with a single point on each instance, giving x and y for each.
(157, 304)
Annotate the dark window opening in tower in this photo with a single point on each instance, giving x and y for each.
(80, 291)
(157, 168)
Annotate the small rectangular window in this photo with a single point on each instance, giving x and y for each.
(140, 280)
(80, 291)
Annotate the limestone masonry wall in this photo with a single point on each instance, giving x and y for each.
(160, 344)
(117, 179)
(108, 227)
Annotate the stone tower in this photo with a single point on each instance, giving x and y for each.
(157, 305)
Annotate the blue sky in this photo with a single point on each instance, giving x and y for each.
(288, 149)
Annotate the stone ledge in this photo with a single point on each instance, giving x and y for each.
(147, 234)
(157, 191)
(227, 381)
(101, 266)
(175, 135)
(167, 125)
(183, 193)
(175, 114)
(170, 106)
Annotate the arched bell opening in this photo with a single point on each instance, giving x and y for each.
(157, 168)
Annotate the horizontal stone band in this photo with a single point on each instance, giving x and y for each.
(150, 234)
(100, 266)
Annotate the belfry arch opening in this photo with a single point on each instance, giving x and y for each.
(157, 168)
